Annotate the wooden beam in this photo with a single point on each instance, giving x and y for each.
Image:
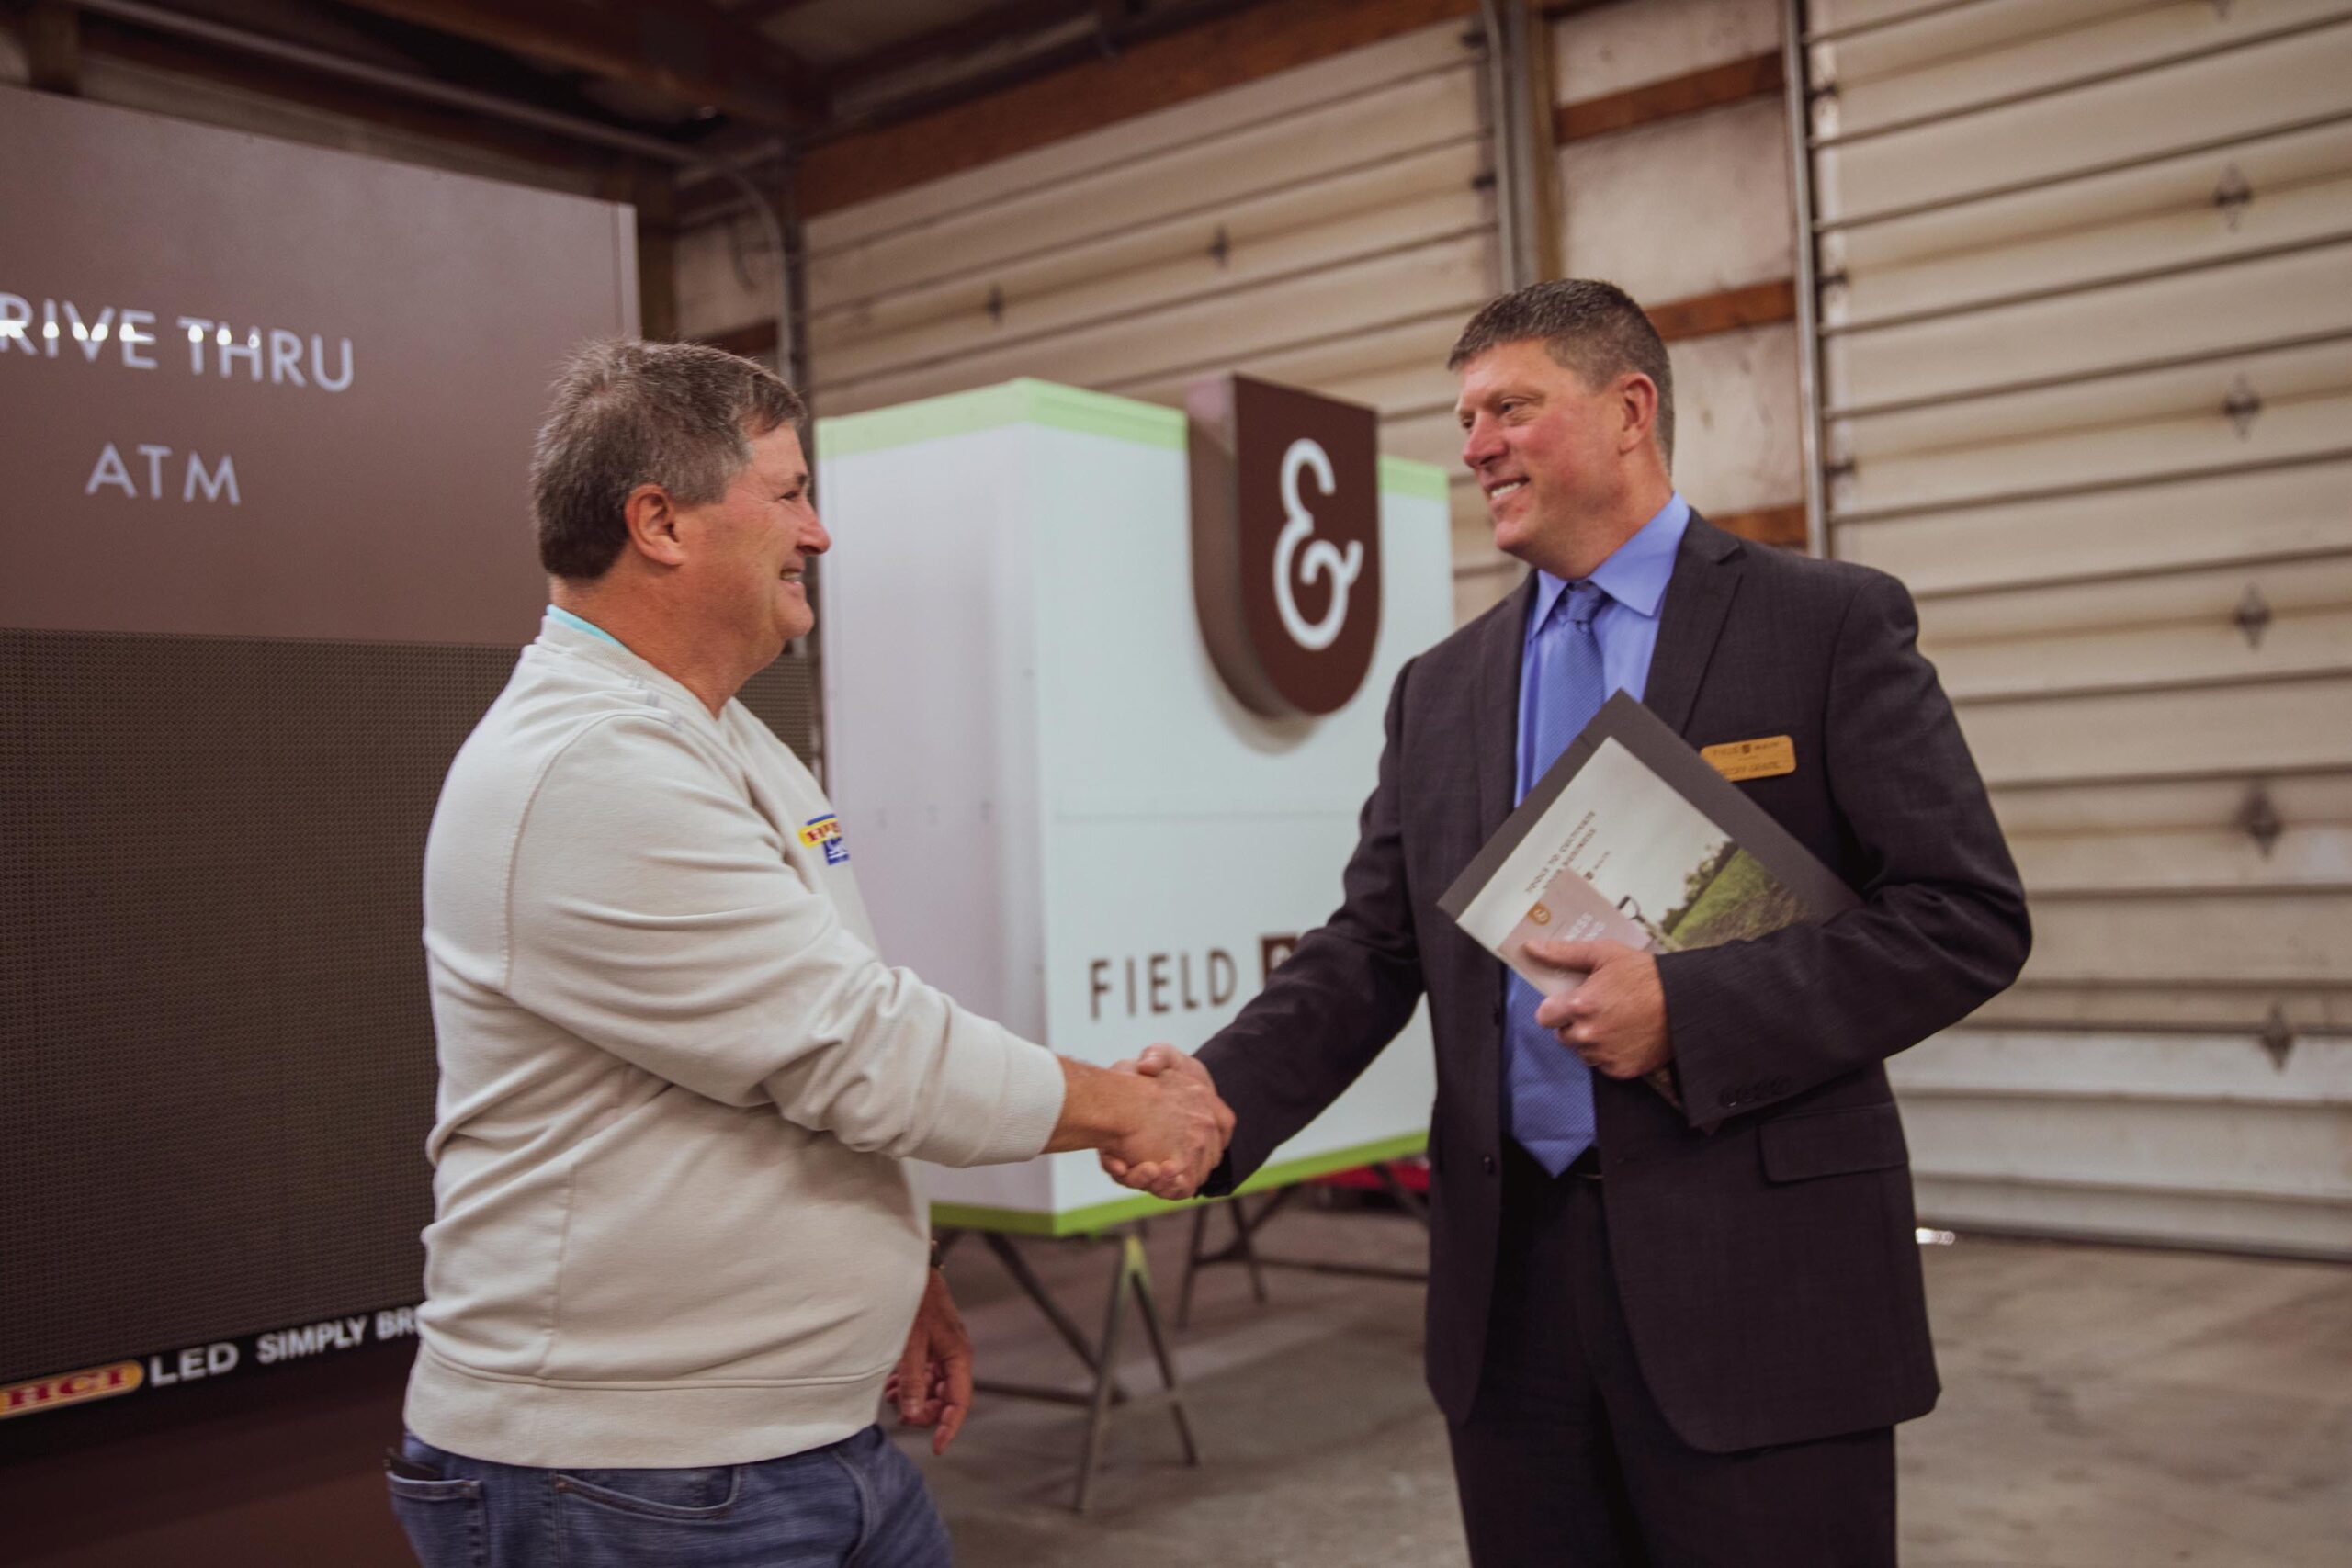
(1550, 249)
(1781, 525)
(479, 68)
(759, 13)
(105, 39)
(1759, 304)
(52, 40)
(1021, 18)
(687, 51)
(1677, 319)
(1153, 74)
(753, 342)
(651, 191)
(1652, 101)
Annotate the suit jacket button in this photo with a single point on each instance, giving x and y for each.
(1487, 1163)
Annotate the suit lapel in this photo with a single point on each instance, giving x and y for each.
(1706, 574)
(1496, 735)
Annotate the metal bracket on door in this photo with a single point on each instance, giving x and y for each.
(2233, 196)
(2278, 1036)
(2258, 819)
(2243, 406)
(2253, 616)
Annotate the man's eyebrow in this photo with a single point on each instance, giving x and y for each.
(1463, 405)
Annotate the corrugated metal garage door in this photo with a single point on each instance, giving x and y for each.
(2087, 356)
(1331, 227)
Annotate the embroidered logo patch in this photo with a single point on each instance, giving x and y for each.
(826, 830)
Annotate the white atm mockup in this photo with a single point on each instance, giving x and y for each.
(1058, 807)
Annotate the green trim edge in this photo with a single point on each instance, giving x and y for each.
(1119, 1211)
(1023, 401)
(1030, 401)
(1409, 476)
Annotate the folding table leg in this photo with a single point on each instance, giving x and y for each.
(1159, 1337)
(1098, 1420)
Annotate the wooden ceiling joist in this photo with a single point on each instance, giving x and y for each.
(1734, 82)
(1729, 310)
(1014, 20)
(688, 51)
(758, 13)
(52, 45)
(1151, 74)
(106, 39)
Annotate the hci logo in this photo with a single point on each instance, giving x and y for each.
(1286, 542)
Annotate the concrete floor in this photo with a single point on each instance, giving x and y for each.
(2103, 1408)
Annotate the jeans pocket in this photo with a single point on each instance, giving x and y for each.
(790, 1513)
(443, 1519)
(691, 1496)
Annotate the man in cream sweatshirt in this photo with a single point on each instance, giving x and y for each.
(675, 1256)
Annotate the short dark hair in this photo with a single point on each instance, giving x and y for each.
(629, 413)
(1586, 326)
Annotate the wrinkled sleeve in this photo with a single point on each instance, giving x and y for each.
(652, 913)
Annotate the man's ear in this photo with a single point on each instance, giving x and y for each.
(1638, 398)
(653, 526)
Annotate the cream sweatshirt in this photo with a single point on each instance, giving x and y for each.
(673, 1226)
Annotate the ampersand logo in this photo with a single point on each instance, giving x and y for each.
(1286, 542)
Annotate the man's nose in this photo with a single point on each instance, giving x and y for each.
(1480, 444)
(814, 540)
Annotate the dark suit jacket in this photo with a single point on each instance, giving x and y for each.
(1770, 1275)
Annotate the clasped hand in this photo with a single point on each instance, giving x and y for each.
(1616, 1018)
(1185, 1135)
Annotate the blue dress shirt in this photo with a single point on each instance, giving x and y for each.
(1635, 577)
(1549, 1097)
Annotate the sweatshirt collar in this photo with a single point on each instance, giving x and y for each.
(578, 637)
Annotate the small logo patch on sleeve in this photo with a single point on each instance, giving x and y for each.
(826, 832)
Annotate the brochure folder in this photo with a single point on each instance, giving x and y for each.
(1633, 836)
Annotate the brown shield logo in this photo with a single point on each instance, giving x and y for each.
(1285, 541)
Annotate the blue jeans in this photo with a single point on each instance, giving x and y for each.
(856, 1504)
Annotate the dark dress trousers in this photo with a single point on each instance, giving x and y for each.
(1768, 1271)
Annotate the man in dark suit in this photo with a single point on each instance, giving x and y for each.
(1658, 1336)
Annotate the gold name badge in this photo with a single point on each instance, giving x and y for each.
(1764, 759)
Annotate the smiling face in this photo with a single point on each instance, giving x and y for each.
(1561, 463)
(748, 551)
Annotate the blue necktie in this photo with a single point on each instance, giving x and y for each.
(1550, 1101)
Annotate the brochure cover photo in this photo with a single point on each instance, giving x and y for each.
(1634, 837)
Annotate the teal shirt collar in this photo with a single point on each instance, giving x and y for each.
(581, 623)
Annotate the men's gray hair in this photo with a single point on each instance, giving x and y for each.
(1586, 326)
(627, 412)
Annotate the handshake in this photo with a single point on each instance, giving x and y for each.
(1155, 1120)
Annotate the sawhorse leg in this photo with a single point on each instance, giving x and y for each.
(1130, 1279)
(1243, 1247)
(1133, 1275)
